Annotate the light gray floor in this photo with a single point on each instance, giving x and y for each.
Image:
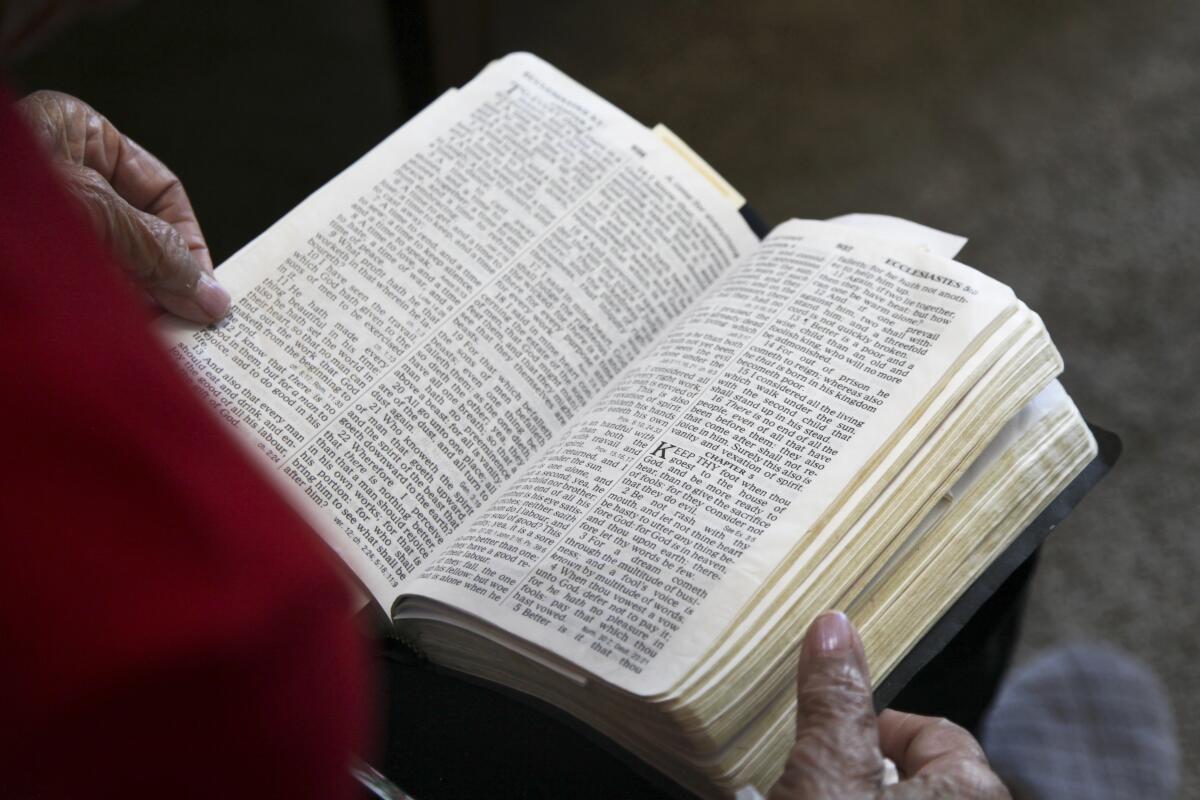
(1062, 138)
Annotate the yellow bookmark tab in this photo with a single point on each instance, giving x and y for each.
(667, 137)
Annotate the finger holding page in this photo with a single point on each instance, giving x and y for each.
(940, 759)
(136, 204)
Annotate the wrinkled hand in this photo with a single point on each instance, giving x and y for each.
(137, 205)
(841, 744)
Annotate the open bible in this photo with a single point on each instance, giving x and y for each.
(564, 415)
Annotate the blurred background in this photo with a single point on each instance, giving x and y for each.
(1062, 138)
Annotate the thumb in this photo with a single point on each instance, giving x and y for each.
(149, 248)
(837, 738)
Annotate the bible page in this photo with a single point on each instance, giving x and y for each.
(633, 540)
(403, 340)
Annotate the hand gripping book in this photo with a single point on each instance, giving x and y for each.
(582, 433)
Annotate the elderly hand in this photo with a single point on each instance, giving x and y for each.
(841, 744)
(138, 206)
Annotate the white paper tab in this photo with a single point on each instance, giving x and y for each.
(937, 242)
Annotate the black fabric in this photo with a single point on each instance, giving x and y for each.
(449, 736)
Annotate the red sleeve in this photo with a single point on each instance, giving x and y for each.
(168, 626)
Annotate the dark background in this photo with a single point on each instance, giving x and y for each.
(1062, 138)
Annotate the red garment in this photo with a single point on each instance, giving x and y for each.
(168, 626)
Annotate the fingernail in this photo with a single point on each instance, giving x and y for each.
(211, 296)
(832, 634)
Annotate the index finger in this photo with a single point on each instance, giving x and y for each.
(918, 743)
(938, 758)
(78, 133)
(148, 185)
